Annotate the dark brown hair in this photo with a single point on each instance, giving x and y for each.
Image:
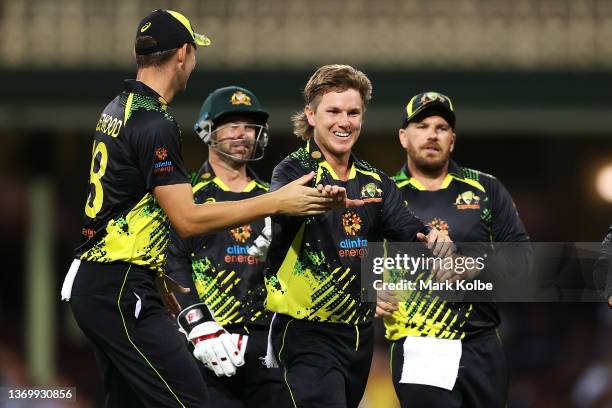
(154, 59)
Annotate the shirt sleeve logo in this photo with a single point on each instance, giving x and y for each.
(162, 165)
(161, 153)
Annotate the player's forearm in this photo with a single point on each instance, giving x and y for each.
(212, 217)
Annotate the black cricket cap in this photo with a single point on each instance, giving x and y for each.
(170, 30)
(428, 104)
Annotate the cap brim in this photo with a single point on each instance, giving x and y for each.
(259, 115)
(434, 107)
(201, 40)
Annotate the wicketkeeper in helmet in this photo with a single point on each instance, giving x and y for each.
(225, 269)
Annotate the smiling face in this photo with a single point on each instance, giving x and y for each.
(235, 136)
(429, 143)
(336, 119)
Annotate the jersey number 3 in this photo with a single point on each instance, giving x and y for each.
(99, 160)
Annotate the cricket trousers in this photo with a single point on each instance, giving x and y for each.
(142, 358)
(324, 365)
(482, 380)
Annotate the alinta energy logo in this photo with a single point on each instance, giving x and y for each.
(163, 165)
(351, 247)
(440, 225)
(161, 153)
(241, 234)
(467, 201)
(240, 253)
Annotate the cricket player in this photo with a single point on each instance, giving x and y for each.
(322, 332)
(137, 186)
(219, 268)
(447, 354)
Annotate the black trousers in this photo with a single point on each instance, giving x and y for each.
(143, 359)
(253, 385)
(482, 380)
(323, 364)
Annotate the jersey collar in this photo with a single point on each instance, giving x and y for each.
(206, 173)
(315, 153)
(404, 177)
(135, 86)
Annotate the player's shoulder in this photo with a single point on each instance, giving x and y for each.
(479, 179)
(476, 175)
(298, 161)
(400, 177)
(366, 168)
(147, 113)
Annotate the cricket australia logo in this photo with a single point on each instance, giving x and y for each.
(240, 98)
(241, 234)
(371, 192)
(432, 97)
(467, 201)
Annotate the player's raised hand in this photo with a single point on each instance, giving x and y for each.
(340, 198)
(386, 303)
(297, 199)
(440, 244)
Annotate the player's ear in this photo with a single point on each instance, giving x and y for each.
(452, 145)
(182, 53)
(403, 138)
(309, 115)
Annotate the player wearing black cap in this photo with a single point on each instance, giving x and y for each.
(137, 184)
(220, 268)
(448, 354)
(322, 334)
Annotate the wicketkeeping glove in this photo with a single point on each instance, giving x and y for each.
(213, 345)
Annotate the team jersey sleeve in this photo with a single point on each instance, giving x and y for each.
(157, 148)
(507, 230)
(178, 267)
(398, 222)
(285, 172)
(506, 225)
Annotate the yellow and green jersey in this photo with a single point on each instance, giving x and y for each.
(470, 207)
(137, 147)
(314, 263)
(217, 266)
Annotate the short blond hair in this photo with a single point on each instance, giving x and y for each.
(330, 78)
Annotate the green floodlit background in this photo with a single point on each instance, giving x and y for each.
(530, 79)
